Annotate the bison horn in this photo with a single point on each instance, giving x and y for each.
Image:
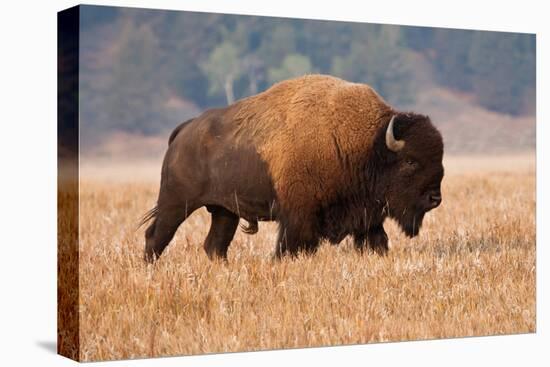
(393, 144)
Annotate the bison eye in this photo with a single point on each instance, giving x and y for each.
(408, 166)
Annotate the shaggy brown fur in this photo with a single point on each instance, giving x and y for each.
(311, 131)
(308, 152)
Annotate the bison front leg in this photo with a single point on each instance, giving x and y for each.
(292, 240)
(375, 239)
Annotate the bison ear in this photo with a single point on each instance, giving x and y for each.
(392, 143)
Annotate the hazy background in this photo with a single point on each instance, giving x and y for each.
(144, 71)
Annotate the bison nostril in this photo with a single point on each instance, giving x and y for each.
(435, 199)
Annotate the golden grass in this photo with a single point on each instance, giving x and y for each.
(471, 271)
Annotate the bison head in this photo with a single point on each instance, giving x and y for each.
(413, 151)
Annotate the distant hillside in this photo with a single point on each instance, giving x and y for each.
(468, 128)
(144, 71)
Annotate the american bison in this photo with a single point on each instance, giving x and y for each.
(323, 157)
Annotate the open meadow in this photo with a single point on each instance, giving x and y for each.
(470, 272)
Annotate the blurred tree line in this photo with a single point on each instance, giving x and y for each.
(145, 70)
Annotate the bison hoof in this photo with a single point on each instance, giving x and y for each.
(149, 257)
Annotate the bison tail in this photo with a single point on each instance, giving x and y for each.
(252, 227)
(177, 130)
(148, 216)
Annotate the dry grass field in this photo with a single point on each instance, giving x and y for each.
(471, 271)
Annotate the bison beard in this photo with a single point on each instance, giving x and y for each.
(411, 223)
(324, 157)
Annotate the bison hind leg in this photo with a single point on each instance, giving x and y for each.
(160, 232)
(222, 229)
